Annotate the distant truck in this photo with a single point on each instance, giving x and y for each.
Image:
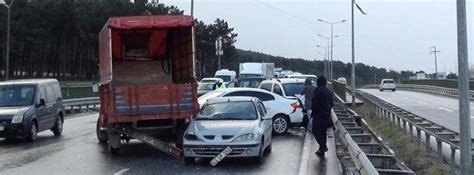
(249, 70)
(226, 75)
(147, 88)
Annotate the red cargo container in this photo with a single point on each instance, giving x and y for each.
(146, 77)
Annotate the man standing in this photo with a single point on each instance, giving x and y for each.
(308, 96)
(322, 104)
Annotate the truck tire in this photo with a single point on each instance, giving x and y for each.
(101, 135)
(180, 128)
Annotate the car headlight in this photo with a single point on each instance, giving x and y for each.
(246, 137)
(18, 117)
(190, 136)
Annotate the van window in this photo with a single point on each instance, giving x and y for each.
(50, 97)
(277, 89)
(267, 86)
(42, 93)
(57, 92)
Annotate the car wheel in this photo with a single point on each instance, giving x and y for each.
(280, 124)
(393, 90)
(101, 135)
(113, 151)
(33, 132)
(58, 127)
(380, 90)
(188, 160)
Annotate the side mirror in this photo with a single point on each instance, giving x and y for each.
(42, 102)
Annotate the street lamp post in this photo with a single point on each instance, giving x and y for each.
(326, 64)
(330, 46)
(7, 55)
(324, 60)
(332, 42)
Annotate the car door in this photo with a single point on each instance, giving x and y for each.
(42, 112)
(51, 105)
(266, 124)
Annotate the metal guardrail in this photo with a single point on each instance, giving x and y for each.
(81, 102)
(368, 152)
(411, 123)
(428, 89)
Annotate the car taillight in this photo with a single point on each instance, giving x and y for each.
(295, 105)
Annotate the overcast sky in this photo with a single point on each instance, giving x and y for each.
(395, 34)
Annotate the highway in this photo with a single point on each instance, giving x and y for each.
(441, 110)
(77, 151)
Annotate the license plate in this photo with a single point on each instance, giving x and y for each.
(221, 156)
(2, 128)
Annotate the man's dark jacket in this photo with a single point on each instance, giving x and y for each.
(322, 104)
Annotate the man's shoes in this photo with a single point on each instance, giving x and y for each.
(320, 153)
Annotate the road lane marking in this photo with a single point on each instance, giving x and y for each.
(305, 153)
(446, 109)
(422, 102)
(121, 171)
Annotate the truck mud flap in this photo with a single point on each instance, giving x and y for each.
(152, 141)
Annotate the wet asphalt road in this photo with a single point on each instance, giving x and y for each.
(77, 151)
(439, 109)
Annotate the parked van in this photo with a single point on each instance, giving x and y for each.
(226, 75)
(30, 106)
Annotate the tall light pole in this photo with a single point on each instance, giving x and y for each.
(433, 50)
(353, 55)
(463, 84)
(193, 43)
(7, 55)
(324, 60)
(332, 42)
(330, 46)
(326, 65)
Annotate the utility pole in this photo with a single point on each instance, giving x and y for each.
(193, 43)
(353, 55)
(433, 50)
(463, 84)
(332, 43)
(7, 54)
(219, 52)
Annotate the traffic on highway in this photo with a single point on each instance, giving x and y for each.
(236, 87)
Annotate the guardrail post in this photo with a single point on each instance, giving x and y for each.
(452, 161)
(94, 105)
(405, 127)
(427, 142)
(410, 126)
(399, 123)
(87, 106)
(439, 148)
(418, 136)
(72, 110)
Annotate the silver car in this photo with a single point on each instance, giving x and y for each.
(238, 123)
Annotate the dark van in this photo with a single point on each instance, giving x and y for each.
(30, 106)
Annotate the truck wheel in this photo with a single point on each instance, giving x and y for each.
(280, 124)
(180, 128)
(113, 151)
(58, 127)
(101, 135)
(33, 132)
(188, 160)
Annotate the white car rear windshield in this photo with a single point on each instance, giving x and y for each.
(388, 81)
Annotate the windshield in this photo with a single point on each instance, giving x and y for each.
(291, 89)
(388, 81)
(205, 86)
(208, 81)
(250, 83)
(16, 95)
(249, 75)
(244, 110)
(226, 78)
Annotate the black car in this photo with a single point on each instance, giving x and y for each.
(250, 82)
(30, 106)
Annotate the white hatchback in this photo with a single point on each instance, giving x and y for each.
(284, 111)
(387, 84)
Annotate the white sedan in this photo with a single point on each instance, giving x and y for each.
(286, 112)
(233, 126)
